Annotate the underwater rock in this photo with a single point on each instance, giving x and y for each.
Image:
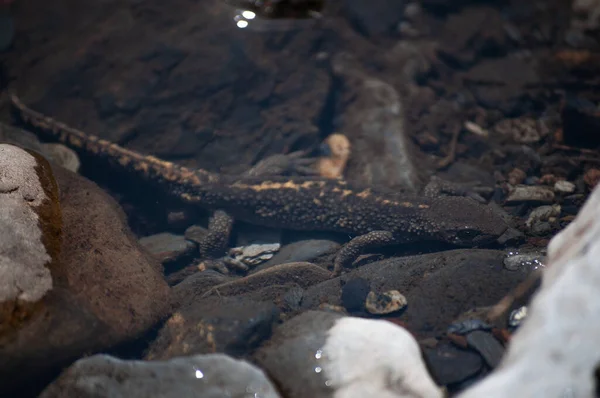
(30, 234)
(555, 350)
(202, 376)
(323, 354)
(101, 289)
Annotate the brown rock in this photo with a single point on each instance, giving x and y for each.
(516, 176)
(591, 178)
(105, 290)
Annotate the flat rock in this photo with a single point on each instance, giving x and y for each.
(298, 274)
(194, 286)
(301, 251)
(202, 376)
(486, 344)
(449, 364)
(167, 247)
(226, 325)
(105, 290)
(439, 286)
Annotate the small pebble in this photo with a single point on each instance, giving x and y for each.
(591, 178)
(476, 129)
(516, 176)
(517, 316)
(254, 254)
(195, 233)
(467, 326)
(167, 247)
(354, 294)
(490, 349)
(515, 261)
(293, 298)
(548, 179)
(385, 303)
(62, 155)
(541, 228)
(523, 193)
(542, 213)
(563, 186)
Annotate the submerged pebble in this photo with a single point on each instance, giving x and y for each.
(385, 303)
(517, 316)
(534, 193)
(524, 261)
(467, 326)
(254, 254)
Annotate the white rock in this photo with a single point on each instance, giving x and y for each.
(556, 350)
(564, 186)
(375, 358)
(23, 257)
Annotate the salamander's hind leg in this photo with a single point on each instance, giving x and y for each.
(351, 250)
(213, 245)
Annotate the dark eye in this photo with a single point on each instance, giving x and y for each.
(466, 234)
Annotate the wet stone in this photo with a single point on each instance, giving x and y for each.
(563, 186)
(227, 325)
(542, 213)
(449, 364)
(292, 299)
(194, 286)
(322, 354)
(103, 376)
(354, 294)
(167, 247)
(385, 303)
(467, 326)
(516, 176)
(254, 254)
(591, 178)
(62, 155)
(541, 228)
(524, 130)
(305, 250)
(195, 233)
(486, 344)
(523, 193)
(524, 261)
(517, 316)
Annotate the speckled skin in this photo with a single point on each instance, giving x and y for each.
(300, 203)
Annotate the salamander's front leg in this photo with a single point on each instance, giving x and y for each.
(351, 250)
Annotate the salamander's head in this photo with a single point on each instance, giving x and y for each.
(465, 222)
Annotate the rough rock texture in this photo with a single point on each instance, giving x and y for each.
(373, 120)
(215, 325)
(105, 289)
(30, 232)
(555, 352)
(55, 153)
(202, 376)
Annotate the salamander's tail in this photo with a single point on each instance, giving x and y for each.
(148, 167)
